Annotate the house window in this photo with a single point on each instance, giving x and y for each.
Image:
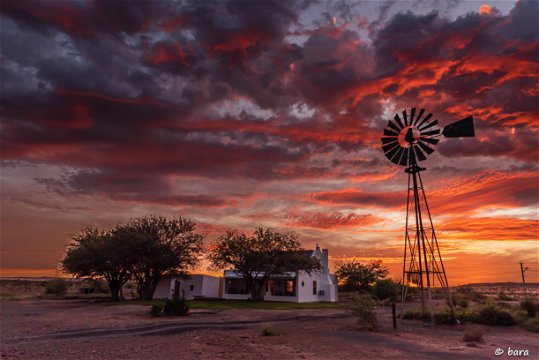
(192, 288)
(290, 287)
(314, 287)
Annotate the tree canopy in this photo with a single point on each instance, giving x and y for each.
(159, 246)
(259, 256)
(356, 276)
(97, 253)
(143, 249)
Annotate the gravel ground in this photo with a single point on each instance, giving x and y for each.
(68, 329)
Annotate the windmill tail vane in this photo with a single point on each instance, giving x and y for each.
(407, 139)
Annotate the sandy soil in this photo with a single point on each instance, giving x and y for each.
(73, 329)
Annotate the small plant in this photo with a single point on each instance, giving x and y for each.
(489, 314)
(530, 306)
(156, 310)
(56, 286)
(100, 286)
(532, 324)
(386, 290)
(268, 330)
(363, 310)
(473, 334)
(463, 303)
(175, 307)
(504, 297)
(442, 315)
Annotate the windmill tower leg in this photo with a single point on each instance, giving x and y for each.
(423, 265)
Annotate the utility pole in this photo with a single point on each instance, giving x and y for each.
(522, 271)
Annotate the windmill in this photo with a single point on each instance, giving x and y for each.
(406, 141)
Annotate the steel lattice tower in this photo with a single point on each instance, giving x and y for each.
(423, 266)
(405, 142)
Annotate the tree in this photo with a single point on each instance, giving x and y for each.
(356, 276)
(159, 246)
(258, 257)
(96, 253)
(386, 289)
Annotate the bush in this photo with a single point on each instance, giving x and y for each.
(489, 314)
(463, 303)
(468, 293)
(442, 315)
(56, 286)
(156, 310)
(504, 297)
(175, 307)
(100, 286)
(415, 314)
(474, 333)
(530, 306)
(364, 305)
(531, 324)
(268, 331)
(386, 290)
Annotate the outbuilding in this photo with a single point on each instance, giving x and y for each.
(190, 287)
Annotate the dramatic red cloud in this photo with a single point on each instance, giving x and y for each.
(165, 54)
(489, 228)
(242, 42)
(485, 192)
(329, 220)
(268, 113)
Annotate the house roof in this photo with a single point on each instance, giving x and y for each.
(231, 274)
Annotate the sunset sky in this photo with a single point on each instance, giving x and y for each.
(240, 114)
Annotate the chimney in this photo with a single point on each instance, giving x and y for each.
(324, 260)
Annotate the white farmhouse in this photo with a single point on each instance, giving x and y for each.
(297, 286)
(194, 286)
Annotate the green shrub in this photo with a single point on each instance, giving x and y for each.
(175, 307)
(414, 314)
(268, 331)
(100, 286)
(504, 297)
(156, 310)
(531, 324)
(442, 315)
(489, 314)
(363, 310)
(474, 333)
(386, 290)
(463, 303)
(530, 306)
(503, 305)
(468, 293)
(57, 286)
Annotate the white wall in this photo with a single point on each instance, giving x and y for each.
(202, 285)
(210, 286)
(305, 286)
(162, 291)
(326, 288)
(194, 281)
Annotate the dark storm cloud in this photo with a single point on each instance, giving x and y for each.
(127, 188)
(363, 198)
(137, 87)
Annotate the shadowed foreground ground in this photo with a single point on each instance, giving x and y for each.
(60, 329)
